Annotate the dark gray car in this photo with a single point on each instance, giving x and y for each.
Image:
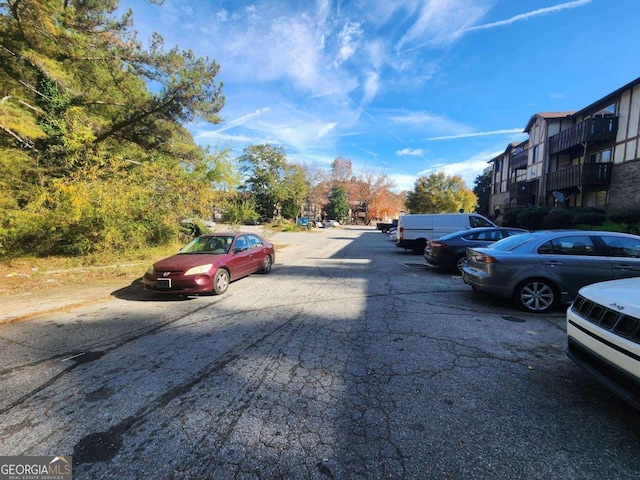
(450, 251)
(541, 269)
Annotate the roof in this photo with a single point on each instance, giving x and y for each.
(608, 98)
(510, 147)
(547, 116)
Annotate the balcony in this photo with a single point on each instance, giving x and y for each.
(519, 160)
(587, 175)
(571, 140)
(523, 193)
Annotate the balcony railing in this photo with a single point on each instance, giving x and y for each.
(587, 175)
(523, 193)
(599, 129)
(519, 160)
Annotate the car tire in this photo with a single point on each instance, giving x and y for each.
(536, 295)
(220, 281)
(460, 261)
(267, 263)
(419, 245)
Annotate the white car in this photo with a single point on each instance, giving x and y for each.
(603, 334)
(331, 223)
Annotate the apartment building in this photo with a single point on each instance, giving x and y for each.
(586, 158)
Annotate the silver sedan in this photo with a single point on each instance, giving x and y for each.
(541, 269)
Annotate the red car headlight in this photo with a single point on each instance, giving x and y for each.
(199, 269)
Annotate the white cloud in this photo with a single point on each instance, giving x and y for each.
(242, 120)
(441, 21)
(428, 122)
(479, 134)
(468, 169)
(348, 40)
(534, 13)
(418, 152)
(403, 181)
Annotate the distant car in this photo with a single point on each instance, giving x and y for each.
(209, 263)
(539, 270)
(450, 251)
(194, 227)
(603, 335)
(331, 223)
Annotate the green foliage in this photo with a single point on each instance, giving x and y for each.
(589, 218)
(531, 218)
(534, 218)
(439, 193)
(91, 158)
(240, 211)
(264, 168)
(278, 187)
(627, 217)
(482, 190)
(290, 209)
(338, 206)
(557, 218)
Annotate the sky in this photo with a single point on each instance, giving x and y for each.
(405, 88)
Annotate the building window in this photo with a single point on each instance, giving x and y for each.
(601, 157)
(606, 111)
(536, 154)
(597, 199)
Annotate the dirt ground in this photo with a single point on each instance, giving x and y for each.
(29, 287)
(25, 292)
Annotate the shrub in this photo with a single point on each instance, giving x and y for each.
(557, 218)
(531, 218)
(627, 217)
(589, 218)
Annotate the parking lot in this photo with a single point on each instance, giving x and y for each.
(351, 359)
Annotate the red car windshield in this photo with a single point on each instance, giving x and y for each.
(218, 244)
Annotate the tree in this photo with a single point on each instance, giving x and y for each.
(90, 151)
(264, 167)
(482, 190)
(295, 190)
(341, 171)
(373, 191)
(439, 193)
(338, 206)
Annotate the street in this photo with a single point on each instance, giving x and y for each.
(350, 360)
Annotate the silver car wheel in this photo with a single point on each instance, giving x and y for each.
(266, 264)
(220, 281)
(536, 296)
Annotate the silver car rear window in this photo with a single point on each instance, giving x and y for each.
(513, 242)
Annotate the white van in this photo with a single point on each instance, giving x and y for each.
(414, 231)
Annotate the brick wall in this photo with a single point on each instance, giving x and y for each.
(624, 193)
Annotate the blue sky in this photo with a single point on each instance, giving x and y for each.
(402, 87)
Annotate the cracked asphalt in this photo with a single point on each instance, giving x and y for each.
(350, 360)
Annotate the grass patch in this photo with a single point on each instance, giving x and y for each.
(34, 273)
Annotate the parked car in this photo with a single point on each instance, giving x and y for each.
(331, 223)
(209, 263)
(415, 230)
(194, 227)
(603, 335)
(541, 269)
(450, 251)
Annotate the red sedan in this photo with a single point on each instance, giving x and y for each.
(209, 263)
